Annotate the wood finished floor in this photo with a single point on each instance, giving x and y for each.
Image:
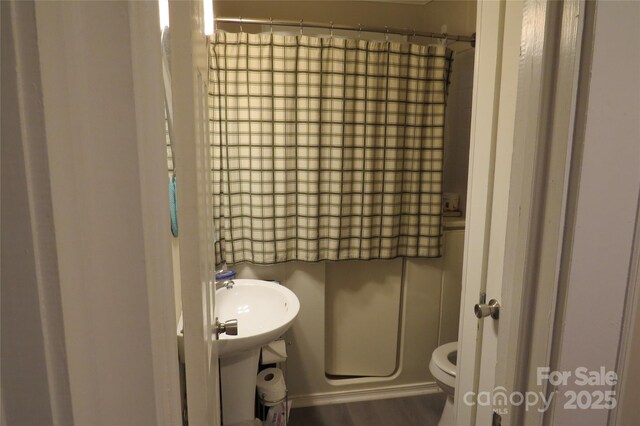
(423, 410)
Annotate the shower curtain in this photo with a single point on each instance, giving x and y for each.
(326, 148)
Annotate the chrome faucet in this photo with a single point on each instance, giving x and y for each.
(228, 284)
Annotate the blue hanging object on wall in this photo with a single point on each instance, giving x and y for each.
(225, 274)
(173, 205)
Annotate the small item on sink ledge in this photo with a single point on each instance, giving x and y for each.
(450, 201)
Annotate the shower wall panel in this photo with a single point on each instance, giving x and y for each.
(362, 317)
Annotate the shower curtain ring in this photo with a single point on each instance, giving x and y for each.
(359, 30)
(241, 24)
(386, 35)
(271, 25)
(301, 27)
(331, 31)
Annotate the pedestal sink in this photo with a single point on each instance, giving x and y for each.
(264, 310)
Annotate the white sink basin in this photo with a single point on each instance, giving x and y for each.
(264, 310)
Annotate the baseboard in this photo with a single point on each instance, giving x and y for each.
(343, 397)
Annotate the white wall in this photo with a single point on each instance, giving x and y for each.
(455, 17)
(457, 131)
(609, 182)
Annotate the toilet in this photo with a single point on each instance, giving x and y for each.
(443, 368)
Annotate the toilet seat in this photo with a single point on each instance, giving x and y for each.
(441, 367)
(441, 357)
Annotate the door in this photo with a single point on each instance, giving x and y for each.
(505, 114)
(495, 78)
(189, 70)
(527, 61)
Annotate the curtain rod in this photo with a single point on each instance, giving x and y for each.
(387, 30)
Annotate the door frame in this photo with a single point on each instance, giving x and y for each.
(546, 115)
(516, 230)
(96, 179)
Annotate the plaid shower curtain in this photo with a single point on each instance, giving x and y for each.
(326, 148)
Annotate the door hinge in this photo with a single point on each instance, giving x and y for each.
(497, 419)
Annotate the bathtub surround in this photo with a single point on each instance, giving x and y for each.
(326, 148)
(427, 310)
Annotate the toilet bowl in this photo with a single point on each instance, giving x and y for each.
(443, 368)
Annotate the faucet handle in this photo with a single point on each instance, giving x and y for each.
(229, 327)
